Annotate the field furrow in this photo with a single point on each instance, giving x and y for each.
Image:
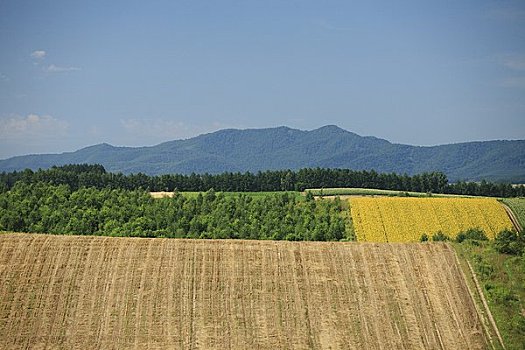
(72, 292)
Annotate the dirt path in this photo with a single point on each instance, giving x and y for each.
(512, 217)
(486, 306)
(123, 293)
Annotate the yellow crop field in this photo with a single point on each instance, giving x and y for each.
(391, 219)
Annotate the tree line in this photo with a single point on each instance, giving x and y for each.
(85, 175)
(46, 208)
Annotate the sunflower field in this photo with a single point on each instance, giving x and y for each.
(394, 219)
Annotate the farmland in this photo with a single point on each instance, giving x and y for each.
(78, 292)
(255, 195)
(502, 279)
(106, 292)
(518, 207)
(385, 219)
(363, 192)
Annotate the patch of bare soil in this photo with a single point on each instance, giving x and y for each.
(65, 292)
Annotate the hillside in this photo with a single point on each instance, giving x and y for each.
(93, 292)
(285, 148)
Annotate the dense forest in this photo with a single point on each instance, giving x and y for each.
(84, 175)
(86, 199)
(47, 208)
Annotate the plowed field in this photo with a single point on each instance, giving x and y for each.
(64, 292)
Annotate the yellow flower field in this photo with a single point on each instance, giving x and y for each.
(395, 219)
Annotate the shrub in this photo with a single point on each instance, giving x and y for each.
(440, 237)
(424, 238)
(483, 268)
(309, 196)
(500, 294)
(518, 323)
(509, 242)
(471, 233)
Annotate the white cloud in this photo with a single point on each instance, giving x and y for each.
(57, 69)
(38, 54)
(32, 125)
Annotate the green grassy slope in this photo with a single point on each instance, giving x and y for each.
(502, 278)
(372, 192)
(518, 207)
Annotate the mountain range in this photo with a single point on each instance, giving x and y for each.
(285, 148)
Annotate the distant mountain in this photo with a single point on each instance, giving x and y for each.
(286, 148)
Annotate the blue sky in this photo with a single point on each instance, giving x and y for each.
(77, 73)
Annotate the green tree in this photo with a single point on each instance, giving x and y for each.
(509, 242)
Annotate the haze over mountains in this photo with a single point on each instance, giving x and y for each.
(285, 148)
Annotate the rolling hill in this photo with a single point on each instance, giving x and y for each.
(71, 292)
(286, 148)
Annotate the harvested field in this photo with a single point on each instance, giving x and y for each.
(161, 194)
(72, 292)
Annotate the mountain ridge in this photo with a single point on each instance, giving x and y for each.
(286, 148)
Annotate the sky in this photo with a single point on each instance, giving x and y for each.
(78, 73)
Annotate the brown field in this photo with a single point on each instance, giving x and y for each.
(161, 194)
(71, 292)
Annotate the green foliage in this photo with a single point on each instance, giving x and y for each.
(471, 234)
(484, 269)
(500, 294)
(509, 242)
(424, 238)
(518, 208)
(41, 207)
(309, 196)
(342, 181)
(518, 324)
(440, 237)
(362, 191)
(503, 279)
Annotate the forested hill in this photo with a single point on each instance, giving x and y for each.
(285, 148)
